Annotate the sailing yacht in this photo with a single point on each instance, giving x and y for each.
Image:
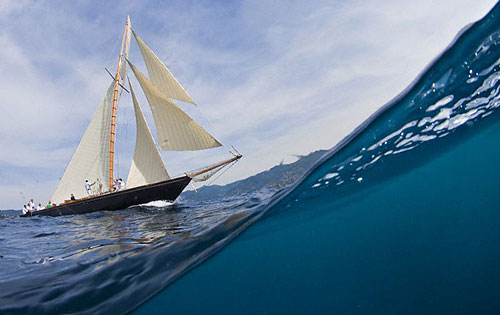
(148, 179)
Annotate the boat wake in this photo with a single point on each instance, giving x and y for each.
(157, 204)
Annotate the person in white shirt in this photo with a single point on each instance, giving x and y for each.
(40, 207)
(87, 187)
(31, 205)
(27, 209)
(118, 184)
(121, 184)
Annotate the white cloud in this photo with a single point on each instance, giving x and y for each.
(272, 78)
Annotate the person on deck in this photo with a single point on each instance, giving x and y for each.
(48, 205)
(99, 186)
(120, 184)
(40, 207)
(31, 205)
(73, 197)
(88, 187)
(27, 209)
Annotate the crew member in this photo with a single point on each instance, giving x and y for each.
(87, 187)
(120, 184)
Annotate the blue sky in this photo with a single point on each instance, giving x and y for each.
(273, 78)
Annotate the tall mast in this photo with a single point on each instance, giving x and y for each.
(113, 113)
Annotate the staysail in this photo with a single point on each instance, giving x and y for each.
(91, 158)
(147, 166)
(160, 76)
(175, 129)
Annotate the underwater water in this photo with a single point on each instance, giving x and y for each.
(402, 216)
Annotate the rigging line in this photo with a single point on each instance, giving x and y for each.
(222, 172)
(119, 132)
(129, 116)
(226, 168)
(210, 122)
(125, 105)
(117, 166)
(205, 117)
(125, 117)
(124, 120)
(112, 54)
(235, 150)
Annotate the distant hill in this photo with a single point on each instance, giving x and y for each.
(275, 178)
(10, 212)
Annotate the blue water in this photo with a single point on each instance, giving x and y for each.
(402, 216)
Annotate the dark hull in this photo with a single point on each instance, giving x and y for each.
(167, 190)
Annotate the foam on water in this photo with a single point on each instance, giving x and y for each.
(157, 204)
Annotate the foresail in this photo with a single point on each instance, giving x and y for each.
(160, 76)
(147, 166)
(91, 158)
(175, 129)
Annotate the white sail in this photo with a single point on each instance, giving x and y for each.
(91, 158)
(147, 166)
(128, 35)
(160, 76)
(175, 129)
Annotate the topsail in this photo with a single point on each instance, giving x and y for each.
(128, 35)
(160, 76)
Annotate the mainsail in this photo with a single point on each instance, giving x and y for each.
(175, 129)
(91, 158)
(147, 166)
(159, 74)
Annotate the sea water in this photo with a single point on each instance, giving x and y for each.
(402, 216)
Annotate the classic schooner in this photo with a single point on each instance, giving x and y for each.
(148, 179)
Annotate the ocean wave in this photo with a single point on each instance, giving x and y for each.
(116, 261)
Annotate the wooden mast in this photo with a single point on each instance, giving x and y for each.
(113, 113)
